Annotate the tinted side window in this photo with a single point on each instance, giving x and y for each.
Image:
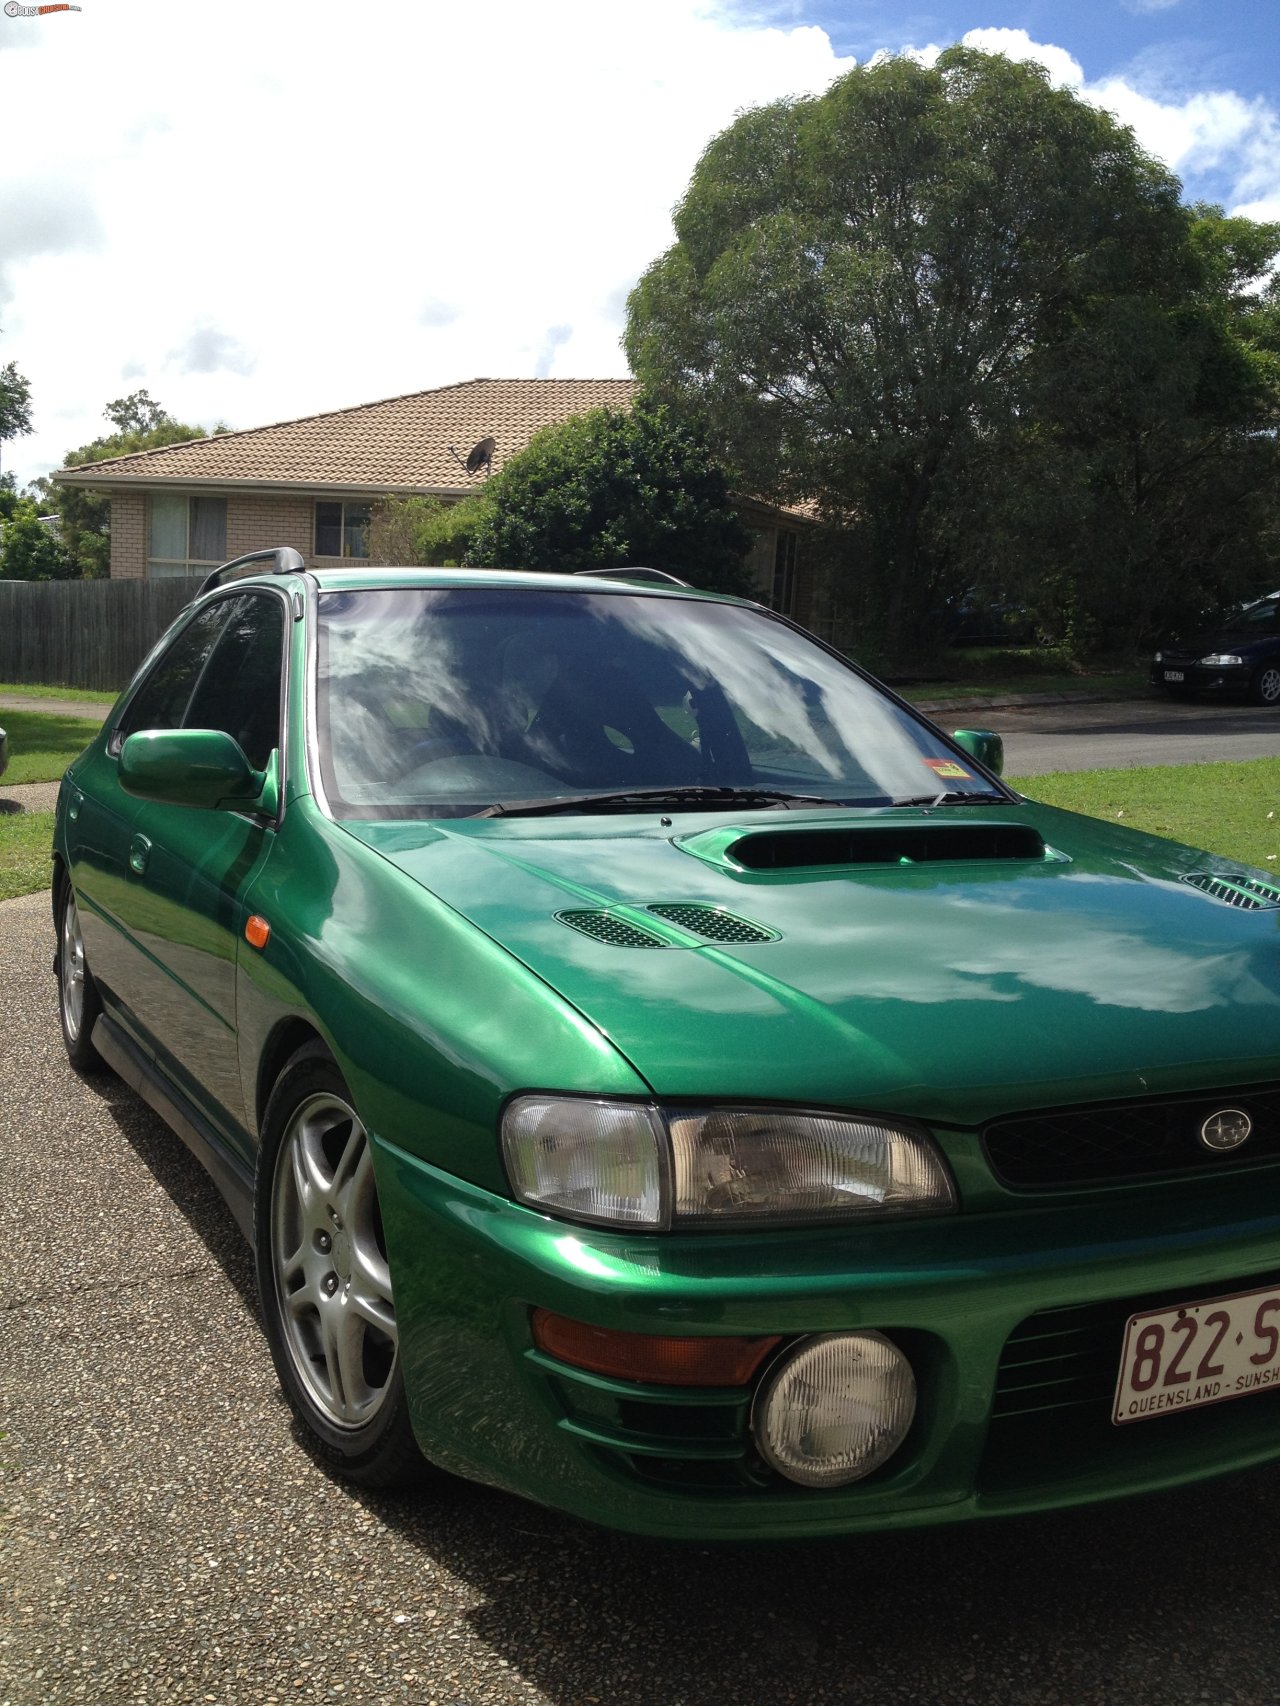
(239, 691)
(161, 701)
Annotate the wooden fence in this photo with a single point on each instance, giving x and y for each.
(84, 633)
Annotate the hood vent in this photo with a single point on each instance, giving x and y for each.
(1248, 893)
(711, 922)
(609, 927)
(886, 844)
(688, 919)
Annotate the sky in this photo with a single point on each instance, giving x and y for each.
(260, 209)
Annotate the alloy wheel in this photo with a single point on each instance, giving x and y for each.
(71, 970)
(330, 1266)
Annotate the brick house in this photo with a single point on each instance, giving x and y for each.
(184, 508)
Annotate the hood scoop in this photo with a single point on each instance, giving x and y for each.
(1248, 893)
(870, 844)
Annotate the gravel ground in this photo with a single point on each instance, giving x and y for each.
(28, 797)
(164, 1537)
(55, 707)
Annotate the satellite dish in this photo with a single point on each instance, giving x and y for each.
(478, 457)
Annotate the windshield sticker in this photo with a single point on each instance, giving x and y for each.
(949, 768)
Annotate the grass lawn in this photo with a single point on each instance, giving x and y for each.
(1232, 809)
(25, 690)
(25, 840)
(41, 746)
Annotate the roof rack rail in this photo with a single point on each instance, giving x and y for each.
(641, 575)
(285, 561)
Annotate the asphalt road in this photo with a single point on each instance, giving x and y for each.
(165, 1538)
(1123, 733)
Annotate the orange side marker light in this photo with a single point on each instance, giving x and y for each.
(257, 932)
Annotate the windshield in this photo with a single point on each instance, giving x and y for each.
(445, 702)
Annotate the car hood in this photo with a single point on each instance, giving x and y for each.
(954, 981)
(1221, 639)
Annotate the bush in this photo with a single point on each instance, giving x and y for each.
(31, 551)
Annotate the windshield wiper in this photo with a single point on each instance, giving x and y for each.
(948, 797)
(691, 796)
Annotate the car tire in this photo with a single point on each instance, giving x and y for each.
(324, 1280)
(79, 1003)
(1264, 688)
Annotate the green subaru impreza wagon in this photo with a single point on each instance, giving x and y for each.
(663, 1075)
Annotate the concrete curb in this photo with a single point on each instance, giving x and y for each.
(1013, 702)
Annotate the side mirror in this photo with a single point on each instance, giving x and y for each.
(189, 767)
(984, 745)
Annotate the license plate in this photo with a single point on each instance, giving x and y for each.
(1198, 1353)
(1174, 675)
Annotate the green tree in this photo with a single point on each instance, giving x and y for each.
(940, 301)
(139, 413)
(1144, 485)
(609, 488)
(423, 530)
(84, 517)
(30, 550)
(15, 403)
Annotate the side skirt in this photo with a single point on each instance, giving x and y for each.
(128, 1061)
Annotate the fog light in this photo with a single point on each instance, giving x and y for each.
(835, 1409)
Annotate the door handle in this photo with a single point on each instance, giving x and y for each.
(139, 853)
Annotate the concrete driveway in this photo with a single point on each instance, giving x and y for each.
(164, 1537)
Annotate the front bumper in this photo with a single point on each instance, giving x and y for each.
(1181, 675)
(1013, 1322)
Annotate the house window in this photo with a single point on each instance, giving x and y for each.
(185, 536)
(782, 596)
(342, 530)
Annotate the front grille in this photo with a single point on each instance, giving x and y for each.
(1055, 1387)
(1112, 1141)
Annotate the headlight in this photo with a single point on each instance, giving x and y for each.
(1158, 658)
(635, 1164)
(1216, 660)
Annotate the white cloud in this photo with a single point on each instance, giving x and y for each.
(554, 338)
(369, 199)
(1063, 69)
(43, 216)
(261, 210)
(434, 312)
(208, 350)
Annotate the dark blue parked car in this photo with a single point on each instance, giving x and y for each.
(1238, 657)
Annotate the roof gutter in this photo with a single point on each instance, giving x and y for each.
(211, 483)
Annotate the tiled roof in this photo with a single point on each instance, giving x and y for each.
(401, 443)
